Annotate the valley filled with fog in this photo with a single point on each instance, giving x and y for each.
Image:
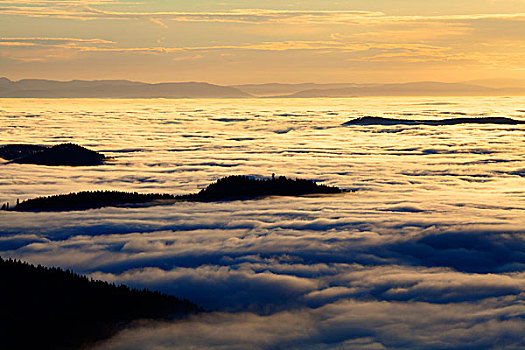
(425, 250)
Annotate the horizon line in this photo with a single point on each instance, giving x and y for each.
(263, 83)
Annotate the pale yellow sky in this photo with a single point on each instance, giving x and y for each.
(241, 41)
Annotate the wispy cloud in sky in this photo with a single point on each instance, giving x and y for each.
(85, 11)
(247, 16)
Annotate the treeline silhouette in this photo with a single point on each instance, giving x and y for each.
(49, 308)
(10, 152)
(89, 200)
(228, 188)
(63, 154)
(239, 187)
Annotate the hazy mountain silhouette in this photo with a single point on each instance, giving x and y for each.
(49, 308)
(114, 89)
(408, 89)
(496, 86)
(447, 121)
(498, 83)
(311, 90)
(273, 89)
(63, 154)
(229, 188)
(41, 88)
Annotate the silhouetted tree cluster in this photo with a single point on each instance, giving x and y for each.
(63, 154)
(89, 200)
(6, 206)
(49, 308)
(238, 186)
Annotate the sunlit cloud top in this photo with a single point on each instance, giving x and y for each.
(233, 42)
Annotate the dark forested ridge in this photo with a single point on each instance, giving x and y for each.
(63, 154)
(49, 308)
(91, 200)
(448, 121)
(240, 187)
(12, 152)
(227, 188)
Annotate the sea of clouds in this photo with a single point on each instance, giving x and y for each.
(427, 252)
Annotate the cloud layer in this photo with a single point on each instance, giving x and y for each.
(362, 44)
(427, 253)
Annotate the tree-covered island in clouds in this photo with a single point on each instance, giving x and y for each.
(369, 120)
(64, 154)
(235, 187)
(50, 308)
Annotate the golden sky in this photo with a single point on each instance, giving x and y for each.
(241, 41)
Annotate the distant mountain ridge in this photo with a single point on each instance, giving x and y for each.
(407, 89)
(41, 88)
(273, 89)
(498, 83)
(424, 88)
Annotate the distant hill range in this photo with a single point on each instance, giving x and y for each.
(430, 88)
(39, 88)
(278, 89)
(499, 83)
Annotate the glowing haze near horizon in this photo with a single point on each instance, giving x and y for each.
(428, 253)
(243, 41)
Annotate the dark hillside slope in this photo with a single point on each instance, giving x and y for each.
(49, 308)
